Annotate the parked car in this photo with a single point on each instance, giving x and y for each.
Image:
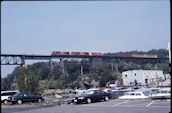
(162, 93)
(133, 95)
(92, 96)
(5, 95)
(19, 98)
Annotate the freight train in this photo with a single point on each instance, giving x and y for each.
(54, 53)
(139, 55)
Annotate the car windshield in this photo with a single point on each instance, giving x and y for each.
(129, 94)
(88, 93)
(15, 95)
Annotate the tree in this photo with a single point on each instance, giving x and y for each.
(5, 83)
(28, 80)
(44, 73)
(56, 73)
(105, 77)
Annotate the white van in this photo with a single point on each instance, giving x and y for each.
(6, 94)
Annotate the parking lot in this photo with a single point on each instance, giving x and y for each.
(112, 106)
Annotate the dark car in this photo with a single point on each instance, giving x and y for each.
(92, 96)
(19, 98)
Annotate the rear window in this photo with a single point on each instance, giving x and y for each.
(12, 93)
(8, 93)
(132, 93)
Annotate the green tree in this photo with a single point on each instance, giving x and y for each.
(44, 73)
(5, 83)
(28, 80)
(105, 77)
(56, 73)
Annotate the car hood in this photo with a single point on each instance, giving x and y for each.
(82, 96)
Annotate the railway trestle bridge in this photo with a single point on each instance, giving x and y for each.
(19, 59)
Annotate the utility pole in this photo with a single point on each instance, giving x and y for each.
(169, 52)
(116, 67)
(112, 66)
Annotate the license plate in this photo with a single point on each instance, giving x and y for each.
(75, 100)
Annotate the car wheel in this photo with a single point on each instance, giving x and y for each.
(39, 100)
(106, 98)
(88, 100)
(5, 102)
(19, 101)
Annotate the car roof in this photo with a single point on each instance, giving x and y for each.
(142, 90)
(8, 91)
(135, 92)
(93, 89)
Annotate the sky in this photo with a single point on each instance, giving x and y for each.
(83, 26)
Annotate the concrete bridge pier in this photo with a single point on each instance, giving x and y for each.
(90, 64)
(62, 65)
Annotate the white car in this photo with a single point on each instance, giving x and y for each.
(133, 95)
(6, 94)
(162, 93)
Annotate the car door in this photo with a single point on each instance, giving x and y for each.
(97, 95)
(103, 94)
(32, 97)
(26, 97)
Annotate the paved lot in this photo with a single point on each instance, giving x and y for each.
(112, 106)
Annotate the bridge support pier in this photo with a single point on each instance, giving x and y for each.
(81, 69)
(22, 62)
(51, 65)
(90, 64)
(62, 65)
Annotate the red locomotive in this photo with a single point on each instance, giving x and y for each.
(59, 53)
(80, 53)
(97, 54)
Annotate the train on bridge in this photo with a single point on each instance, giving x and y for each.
(139, 55)
(56, 53)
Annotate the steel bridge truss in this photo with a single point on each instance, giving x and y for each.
(12, 60)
